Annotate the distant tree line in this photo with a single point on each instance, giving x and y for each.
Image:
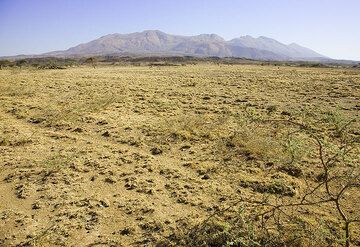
(94, 61)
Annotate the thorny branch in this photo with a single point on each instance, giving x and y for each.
(323, 190)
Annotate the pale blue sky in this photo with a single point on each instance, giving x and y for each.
(330, 27)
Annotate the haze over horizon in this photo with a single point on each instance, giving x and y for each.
(38, 26)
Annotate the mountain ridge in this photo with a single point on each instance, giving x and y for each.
(161, 43)
(158, 43)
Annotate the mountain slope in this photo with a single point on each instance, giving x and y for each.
(157, 42)
(263, 43)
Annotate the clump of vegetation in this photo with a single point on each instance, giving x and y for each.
(49, 66)
(6, 63)
(57, 162)
(278, 220)
(4, 141)
(152, 61)
(277, 187)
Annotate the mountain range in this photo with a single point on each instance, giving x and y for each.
(154, 42)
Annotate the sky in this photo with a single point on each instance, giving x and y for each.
(330, 27)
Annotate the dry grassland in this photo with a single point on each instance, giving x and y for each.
(178, 155)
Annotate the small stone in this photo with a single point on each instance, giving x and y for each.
(222, 199)
(125, 231)
(36, 205)
(205, 177)
(130, 186)
(285, 113)
(104, 203)
(78, 130)
(102, 122)
(156, 151)
(109, 180)
(36, 120)
(185, 147)
(106, 134)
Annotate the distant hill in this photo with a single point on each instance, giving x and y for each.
(292, 51)
(155, 42)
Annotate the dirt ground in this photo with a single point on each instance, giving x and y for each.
(128, 156)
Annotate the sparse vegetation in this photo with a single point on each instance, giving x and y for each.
(215, 153)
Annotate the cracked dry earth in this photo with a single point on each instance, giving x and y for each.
(123, 156)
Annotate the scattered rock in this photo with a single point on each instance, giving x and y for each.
(156, 151)
(269, 164)
(205, 177)
(78, 130)
(187, 164)
(185, 147)
(130, 186)
(126, 231)
(182, 200)
(35, 120)
(21, 191)
(102, 122)
(150, 226)
(104, 203)
(109, 180)
(147, 210)
(36, 205)
(92, 220)
(285, 113)
(291, 170)
(106, 134)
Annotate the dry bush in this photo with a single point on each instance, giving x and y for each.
(277, 219)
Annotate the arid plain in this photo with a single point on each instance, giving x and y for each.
(153, 155)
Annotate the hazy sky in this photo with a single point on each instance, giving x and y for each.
(330, 27)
